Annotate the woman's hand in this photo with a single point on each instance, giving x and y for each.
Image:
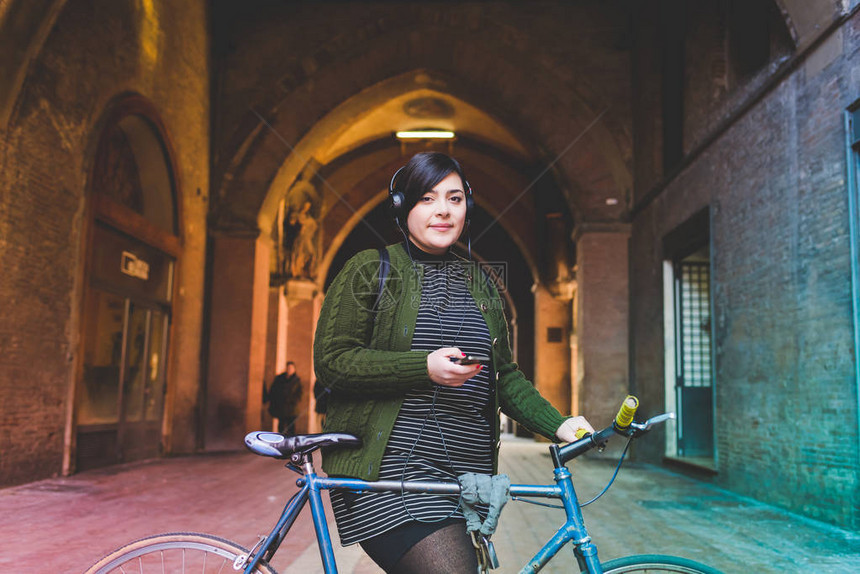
(567, 431)
(444, 372)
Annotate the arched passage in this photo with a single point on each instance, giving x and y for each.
(513, 192)
(567, 115)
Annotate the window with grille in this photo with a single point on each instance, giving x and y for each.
(693, 314)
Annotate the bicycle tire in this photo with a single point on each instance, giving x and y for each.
(174, 553)
(648, 563)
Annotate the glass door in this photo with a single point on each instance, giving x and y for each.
(143, 388)
(119, 410)
(98, 401)
(694, 392)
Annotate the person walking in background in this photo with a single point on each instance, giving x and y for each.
(283, 398)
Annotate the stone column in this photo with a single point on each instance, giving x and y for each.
(301, 315)
(237, 339)
(276, 336)
(552, 348)
(601, 315)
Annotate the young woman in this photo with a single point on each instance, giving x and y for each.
(391, 363)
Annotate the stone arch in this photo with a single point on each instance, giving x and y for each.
(276, 125)
(454, 46)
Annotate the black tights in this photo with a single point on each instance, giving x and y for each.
(446, 549)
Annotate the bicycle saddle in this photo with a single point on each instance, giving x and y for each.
(279, 445)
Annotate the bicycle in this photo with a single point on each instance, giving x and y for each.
(194, 552)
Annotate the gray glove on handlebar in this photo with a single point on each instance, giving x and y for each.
(483, 489)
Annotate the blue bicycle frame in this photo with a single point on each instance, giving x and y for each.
(310, 486)
(299, 449)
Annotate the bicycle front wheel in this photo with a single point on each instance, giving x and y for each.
(175, 553)
(655, 563)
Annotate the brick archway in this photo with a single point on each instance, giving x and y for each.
(564, 123)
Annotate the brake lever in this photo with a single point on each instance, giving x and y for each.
(659, 419)
(641, 428)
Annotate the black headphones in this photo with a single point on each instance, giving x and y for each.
(397, 201)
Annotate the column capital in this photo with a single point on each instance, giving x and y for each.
(586, 227)
(562, 290)
(300, 290)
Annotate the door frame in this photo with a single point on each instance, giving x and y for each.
(102, 209)
(686, 239)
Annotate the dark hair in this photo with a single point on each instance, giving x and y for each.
(422, 173)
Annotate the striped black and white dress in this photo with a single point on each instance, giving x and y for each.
(439, 433)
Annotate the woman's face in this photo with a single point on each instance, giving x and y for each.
(437, 219)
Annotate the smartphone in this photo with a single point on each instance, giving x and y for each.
(471, 360)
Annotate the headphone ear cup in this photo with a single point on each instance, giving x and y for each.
(396, 198)
(396, 205)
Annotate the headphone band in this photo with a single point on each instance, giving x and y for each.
(394, 178)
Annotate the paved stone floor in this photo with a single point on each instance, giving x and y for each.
(63, 525)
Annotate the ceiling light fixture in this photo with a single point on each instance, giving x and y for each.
(425, 135)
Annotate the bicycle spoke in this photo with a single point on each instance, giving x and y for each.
(184, 553)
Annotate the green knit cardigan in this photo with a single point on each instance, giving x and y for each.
(367, 363)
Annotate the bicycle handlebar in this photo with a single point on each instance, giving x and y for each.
(623, 425)
(623, 418)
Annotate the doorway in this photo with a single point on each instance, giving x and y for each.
(688, 342)
(693, 388)
(133, 250)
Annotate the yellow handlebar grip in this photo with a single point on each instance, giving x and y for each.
(581, 433)
(626, 412)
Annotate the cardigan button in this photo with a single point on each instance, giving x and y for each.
(498, 376)
(495, 342)
(484, 307)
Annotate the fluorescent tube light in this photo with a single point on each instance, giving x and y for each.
(425, 135)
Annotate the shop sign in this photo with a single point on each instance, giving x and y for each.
(134, 266)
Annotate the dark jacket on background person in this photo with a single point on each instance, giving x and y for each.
(283, 396)
(367, 364)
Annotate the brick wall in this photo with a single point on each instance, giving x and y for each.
(45, 155)
(786, 395)
(36, 243)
